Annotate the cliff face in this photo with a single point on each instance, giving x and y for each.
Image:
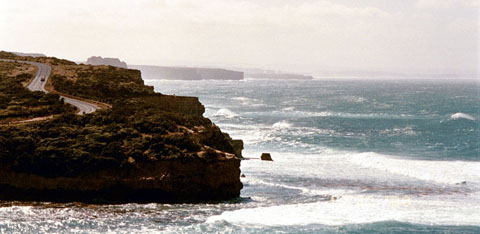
(181, 104)
(98, 60)
(161, 181)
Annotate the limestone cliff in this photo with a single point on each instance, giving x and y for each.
(161, 181)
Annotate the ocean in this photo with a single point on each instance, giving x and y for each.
(350, 156)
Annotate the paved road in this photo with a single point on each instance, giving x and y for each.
(38, 85)
(43, 73)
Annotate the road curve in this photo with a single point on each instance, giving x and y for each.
(37, 84)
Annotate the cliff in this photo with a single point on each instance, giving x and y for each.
(29, 54)
(187, 73)
(98, 60)
(148, 147)
(160, 181)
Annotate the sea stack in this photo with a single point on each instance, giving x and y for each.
(266, 157)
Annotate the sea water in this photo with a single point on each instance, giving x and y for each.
(349, 156)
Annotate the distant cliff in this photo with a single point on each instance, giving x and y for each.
(98, 60)
(187, 73)
(35, 55)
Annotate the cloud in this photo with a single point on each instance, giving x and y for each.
(243, 12)
(320, 32)
(446, 3)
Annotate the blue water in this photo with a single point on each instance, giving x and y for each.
(406, 118)
(349, 156)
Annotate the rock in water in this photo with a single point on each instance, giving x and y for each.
(266, 157)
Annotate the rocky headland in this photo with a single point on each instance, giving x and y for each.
(145, 147)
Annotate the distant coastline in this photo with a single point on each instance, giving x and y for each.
(150, 72)
(187, 73)
(278, 76)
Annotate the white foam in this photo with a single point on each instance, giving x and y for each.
(299, 113)
(249, 101)
(355, 99)
(399, 131)
(359, 208)
(225, 113)
(460, 115)
(446, 172)
(282, 125)
(243, 99)
(305, 190)
(344, 175)
(370, 168)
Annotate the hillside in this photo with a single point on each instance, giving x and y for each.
(17, 103)
(147, 147)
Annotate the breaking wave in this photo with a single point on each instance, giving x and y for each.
(282, 125)
(357, 209)
(460, 115)
(225, 113)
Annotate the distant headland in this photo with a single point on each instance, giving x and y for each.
(187, 73)
(98, 60)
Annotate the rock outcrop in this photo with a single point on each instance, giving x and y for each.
(266, 157)
(98, 60)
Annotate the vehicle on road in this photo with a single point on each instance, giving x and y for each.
(42, 79)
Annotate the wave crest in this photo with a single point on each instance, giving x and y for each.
(226, 113)
(282, 125)
(460, 115)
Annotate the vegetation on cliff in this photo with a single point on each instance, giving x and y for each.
(72, 145)
(17, 102)
(141, 127)
(102, 83)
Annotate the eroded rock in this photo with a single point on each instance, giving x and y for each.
(266, 157)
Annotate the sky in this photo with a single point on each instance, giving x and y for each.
(304, 35)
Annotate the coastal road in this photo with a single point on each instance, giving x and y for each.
(43, 73)
(37, 84)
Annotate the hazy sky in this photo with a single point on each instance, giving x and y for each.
(389, 35)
